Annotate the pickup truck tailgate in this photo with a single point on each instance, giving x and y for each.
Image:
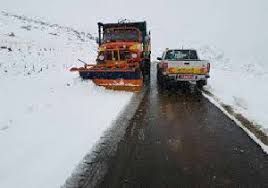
(188, 67)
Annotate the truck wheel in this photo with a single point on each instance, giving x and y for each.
(160, 78)
(163, 81)
(201, 83)
(146, 68)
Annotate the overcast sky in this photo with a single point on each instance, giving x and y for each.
(236, 26)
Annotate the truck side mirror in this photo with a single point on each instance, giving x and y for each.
(159, 58)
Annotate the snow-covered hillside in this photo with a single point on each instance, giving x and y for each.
(240, 84)
(49, 118)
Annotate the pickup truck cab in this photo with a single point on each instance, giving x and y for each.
(182, 65)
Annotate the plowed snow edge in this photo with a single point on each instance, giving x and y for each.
(94, 165)
(255, 133)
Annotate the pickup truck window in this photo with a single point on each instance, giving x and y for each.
(178, 55)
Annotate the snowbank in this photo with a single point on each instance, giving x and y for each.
(49, 118)
(240, 84)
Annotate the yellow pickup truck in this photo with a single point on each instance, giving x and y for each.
(182, 65)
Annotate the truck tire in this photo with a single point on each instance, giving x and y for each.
(201, 83)
(163, 81)
(146, 69)
(160, 76)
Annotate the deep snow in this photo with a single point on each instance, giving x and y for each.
(49, 118)
(242, 85)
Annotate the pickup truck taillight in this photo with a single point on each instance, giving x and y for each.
(208, 67)
(165, 66)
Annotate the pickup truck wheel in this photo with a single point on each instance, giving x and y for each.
(201, 83)
(162, 81)
(159, 77)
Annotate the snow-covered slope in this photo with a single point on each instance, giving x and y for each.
(49, 118)
(240, 84)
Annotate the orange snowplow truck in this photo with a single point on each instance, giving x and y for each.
(124, 56)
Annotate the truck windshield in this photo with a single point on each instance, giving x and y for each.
(177, 55)
(115, 55)
(121, 35)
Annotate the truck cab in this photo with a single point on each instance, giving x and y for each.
(182, 65)
(124, 44)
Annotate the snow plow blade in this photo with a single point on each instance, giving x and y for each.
(127, 79)
(120, 84)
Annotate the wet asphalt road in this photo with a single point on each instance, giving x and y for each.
(177, 138)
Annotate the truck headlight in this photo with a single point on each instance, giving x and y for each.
(101, 57)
